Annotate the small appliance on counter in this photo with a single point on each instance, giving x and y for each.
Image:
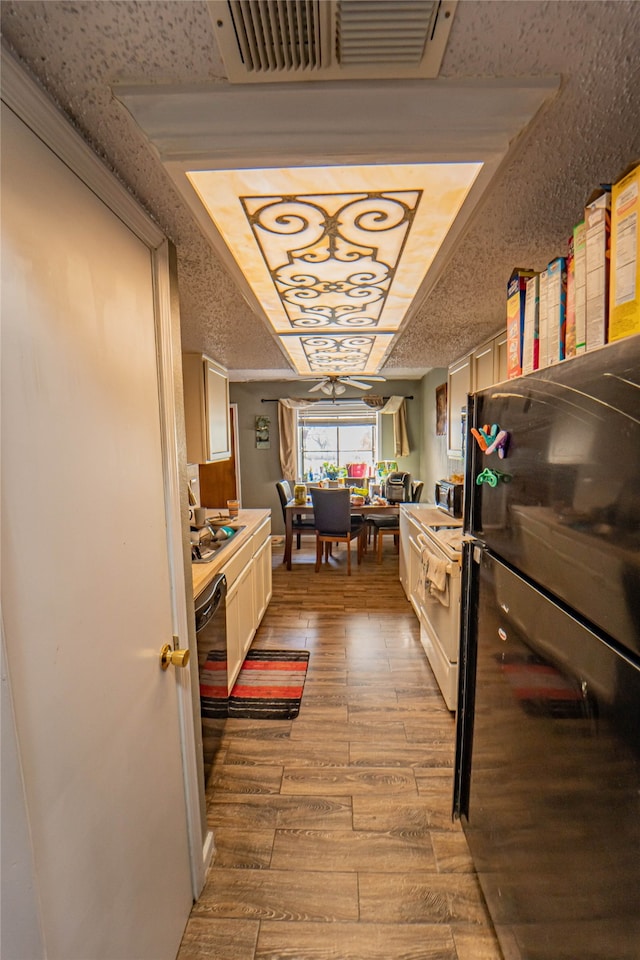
(449, 496)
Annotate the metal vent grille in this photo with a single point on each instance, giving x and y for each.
(280, 40)
(277, 34)
(376, 31)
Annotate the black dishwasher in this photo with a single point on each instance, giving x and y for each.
(211, 637)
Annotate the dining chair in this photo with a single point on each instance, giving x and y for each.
(300, 524)
(334, 523)
(417, 487)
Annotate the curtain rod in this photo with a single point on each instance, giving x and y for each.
(335, 399)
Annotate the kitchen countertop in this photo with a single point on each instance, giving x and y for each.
(203, 573)
(430, 515)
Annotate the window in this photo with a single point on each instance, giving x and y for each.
(337, 433)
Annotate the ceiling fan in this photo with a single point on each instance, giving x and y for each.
(334, 385)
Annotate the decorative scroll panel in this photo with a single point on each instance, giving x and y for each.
(337, 354)
(332, 258)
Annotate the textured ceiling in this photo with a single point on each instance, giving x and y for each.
(584, 136)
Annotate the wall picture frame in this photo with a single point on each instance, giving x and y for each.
(441, 410)
(263, 433)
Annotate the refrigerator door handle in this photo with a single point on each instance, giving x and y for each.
(471, 560)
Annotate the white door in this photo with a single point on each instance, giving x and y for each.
(86, 589)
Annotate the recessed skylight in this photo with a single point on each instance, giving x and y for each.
(335, 255)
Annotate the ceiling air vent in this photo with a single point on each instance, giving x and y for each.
(274, 41)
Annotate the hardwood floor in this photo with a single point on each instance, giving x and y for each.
(333, 831)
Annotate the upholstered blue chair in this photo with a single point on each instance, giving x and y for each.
(334, 523)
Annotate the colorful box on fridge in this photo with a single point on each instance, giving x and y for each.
(624, 302)
(531, 345)
(597, 216)
(556, 308)
(580, 282)
(570, 326)
(516, 291)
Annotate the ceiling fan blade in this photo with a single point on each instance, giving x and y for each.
(357, 383)
(318, 386)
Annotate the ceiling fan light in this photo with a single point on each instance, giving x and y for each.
(327, 388)
(339, 388)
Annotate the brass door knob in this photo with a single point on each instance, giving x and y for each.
(177, 658)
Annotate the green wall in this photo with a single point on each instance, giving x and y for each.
(260, 468)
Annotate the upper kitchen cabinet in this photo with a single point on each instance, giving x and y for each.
(486, 365)
(500, 358)
(459, 387)
(206, 409)
(483, 366)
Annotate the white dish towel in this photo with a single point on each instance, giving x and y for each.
(438, 580)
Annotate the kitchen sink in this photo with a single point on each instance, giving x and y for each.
(206, 550)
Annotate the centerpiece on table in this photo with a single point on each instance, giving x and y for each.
(332, 471)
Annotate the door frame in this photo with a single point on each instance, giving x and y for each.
(21, 94)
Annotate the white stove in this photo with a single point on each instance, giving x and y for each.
(430, 571)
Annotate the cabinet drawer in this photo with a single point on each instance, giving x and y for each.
(261, 535)
(236, 564)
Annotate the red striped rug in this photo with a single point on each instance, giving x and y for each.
(269, 686)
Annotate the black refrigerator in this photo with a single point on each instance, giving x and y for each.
(547, 775)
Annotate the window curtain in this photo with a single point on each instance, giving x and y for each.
(397, 408)
(288, 431)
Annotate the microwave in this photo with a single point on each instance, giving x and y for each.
(449, 497)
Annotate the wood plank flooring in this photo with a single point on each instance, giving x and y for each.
(333, 831)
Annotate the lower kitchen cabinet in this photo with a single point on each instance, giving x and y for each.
(262, 587)
(248, 575)
(409, 556)
(241, 624)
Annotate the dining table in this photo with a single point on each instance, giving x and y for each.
(293, 509)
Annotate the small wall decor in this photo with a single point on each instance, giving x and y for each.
(441, 410)
(263, 436)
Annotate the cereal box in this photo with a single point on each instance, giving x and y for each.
(624, 303)
(543, 325)
(516, 291)
(556, 308)
(597, 217)
(531, 345)
(579, 284)
(570, 327)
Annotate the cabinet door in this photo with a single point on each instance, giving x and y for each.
(240, 622)
(217, 412)
(500, 354)
(206, 409)
(459, 387)
(262, 580)
(483, 364)
(246, 616)
(234, 658)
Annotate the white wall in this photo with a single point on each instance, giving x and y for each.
(20, 933)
